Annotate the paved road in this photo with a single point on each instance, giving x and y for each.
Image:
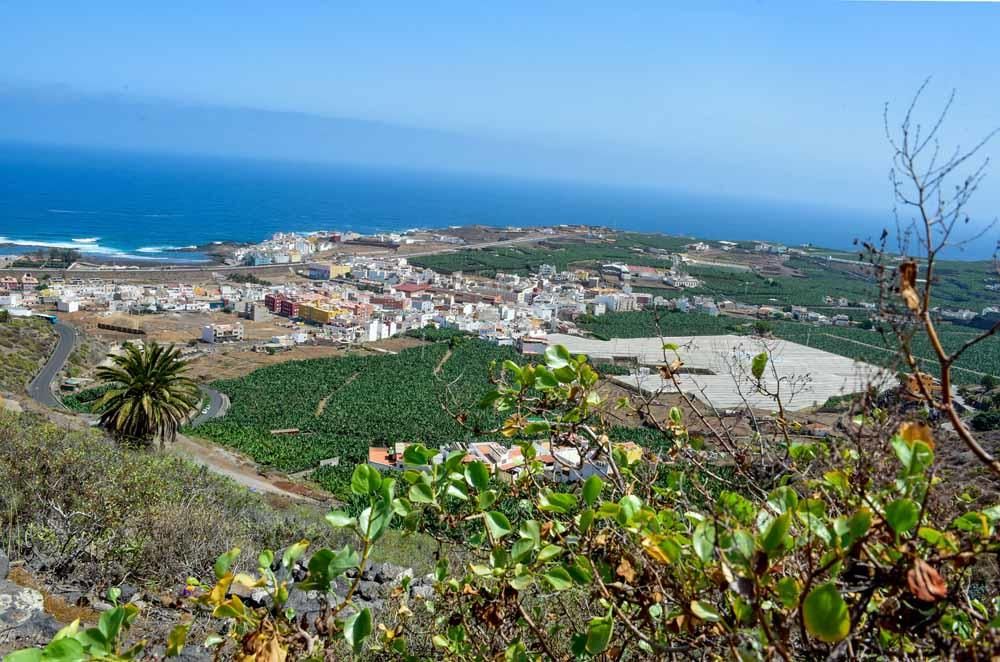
(40, 388)
(217, 459)
(217, 406)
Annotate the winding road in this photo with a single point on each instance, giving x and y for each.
(217, 459)
(40, 388)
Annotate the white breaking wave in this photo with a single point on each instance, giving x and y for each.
(160, 249)
(83, 247)
(89, 246)
(71, 211)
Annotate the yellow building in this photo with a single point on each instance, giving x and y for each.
(326, 271)
(319, 313)
(339, 270)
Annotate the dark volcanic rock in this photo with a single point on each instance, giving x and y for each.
(127, 592)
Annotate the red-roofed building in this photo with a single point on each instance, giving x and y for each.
(409, 289)
(390, 303)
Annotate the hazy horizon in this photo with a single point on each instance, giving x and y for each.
(779, 102)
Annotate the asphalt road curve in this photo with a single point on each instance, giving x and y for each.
(40, 388)
(216, 406)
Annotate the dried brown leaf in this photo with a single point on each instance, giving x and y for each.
(912, 431)
(908, 285)
(625, 570)
(666, 371)
(925, 582)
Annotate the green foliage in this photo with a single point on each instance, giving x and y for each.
(563, 254)
(150, 517)
(270, 633)
(651, 323)
(107, 641)
(370, 401)
(611, 369)
(247, 278)
(987, 420)
(147, 397)
(435, 334)
(736, 565)
(825, 614)
(787, 566)
(83, 401)
(837, 403)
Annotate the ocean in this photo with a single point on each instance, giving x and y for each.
(133, 205)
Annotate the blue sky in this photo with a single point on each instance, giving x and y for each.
(777, 100)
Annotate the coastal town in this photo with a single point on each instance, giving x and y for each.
(512, 331)
(299, 296)
(328, 296)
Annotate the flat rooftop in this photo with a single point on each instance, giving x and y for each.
(818, 374)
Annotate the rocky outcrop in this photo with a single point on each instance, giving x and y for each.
(23, 621)
(374, 586)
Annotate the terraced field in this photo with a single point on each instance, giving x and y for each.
(562, 254)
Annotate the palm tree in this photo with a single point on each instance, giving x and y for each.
(148, 396)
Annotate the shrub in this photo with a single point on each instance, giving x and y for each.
(987, 420)
(80, 505)
(839, 544)
(83, 401)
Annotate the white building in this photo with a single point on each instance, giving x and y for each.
(218, 333)
(67, 305)
(617, 303)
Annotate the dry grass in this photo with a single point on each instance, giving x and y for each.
(175, 327)
(25, 345)
(232, 363)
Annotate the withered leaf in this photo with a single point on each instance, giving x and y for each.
(666, 371)
(908, 285)
(925, 582)
(625, 570)
(912, 431)
(546, 529)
